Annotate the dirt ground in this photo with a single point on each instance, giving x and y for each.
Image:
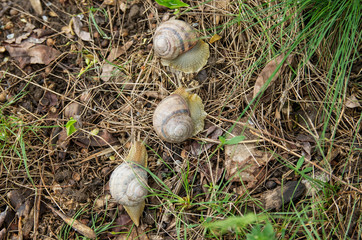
(45, 173)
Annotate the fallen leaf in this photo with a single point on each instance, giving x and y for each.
(244, 161)
(215, 38)
(315, 185)
(3, 216)
(3, 233)
(17, 198)
(136, 233)
(108, 71)
(352, 102)
(28, 27)
(276, 198)
(212, 132)
(43, 32)
(307, 148)
(118, 51)
(22, 37)
(109, 2)
(36, 4)
(77, 24)
(103, 138)
(72, 110)
(62, 142)
(29, 53)
(268, 71)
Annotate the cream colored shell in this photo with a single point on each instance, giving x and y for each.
(172, 120)
(173, 38)
(179, 116)
(180, 47)
(127, 184)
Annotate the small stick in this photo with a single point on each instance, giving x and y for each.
(36, 212)
(75, 224)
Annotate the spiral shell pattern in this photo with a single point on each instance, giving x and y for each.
(172, 121)
(173, 38)
(127, 184)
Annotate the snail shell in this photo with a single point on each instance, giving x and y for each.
(172, 119)
(179, 46)
(179, 116)
(127, 184)
(129, 180)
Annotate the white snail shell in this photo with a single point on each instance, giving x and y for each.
(172, 120)
(179, 116)
(128, 182)
(179, 46)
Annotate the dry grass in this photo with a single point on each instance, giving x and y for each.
(294, 105)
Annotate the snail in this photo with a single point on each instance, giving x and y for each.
(179, 46)
(129, 180)
(179, 116)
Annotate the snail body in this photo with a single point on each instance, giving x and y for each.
(129, 180)
(179, 46)
(179, 116)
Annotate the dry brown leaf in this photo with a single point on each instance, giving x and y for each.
(17, 198)
(3, 216)
(109, 2)
(244, 161)
(118, 51)
(29, 53)
(43, 32)
(276, 198)
(212, 132)
(76, 225)
(108, 71)
(77, 24)
(3, 233)
(36, 4)
(29, 27)
(352, 102)
(269, 70)
(103, 138)
(137, 233)
(312, 188)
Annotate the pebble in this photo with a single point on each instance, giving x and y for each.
(134, 10)
(270, 184)
(96, 34)
(8, 26)
(50, 42)
(105, 43)
(13, 12)
(3, 96)
(201, 76)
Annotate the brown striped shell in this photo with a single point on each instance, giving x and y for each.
(173, 38)
(172, 120)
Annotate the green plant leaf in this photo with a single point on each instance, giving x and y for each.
(172, 4)
(257, 234)
(300, 162)
(222, 140)
(70, 126)
(307, 170)
(235, 140)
